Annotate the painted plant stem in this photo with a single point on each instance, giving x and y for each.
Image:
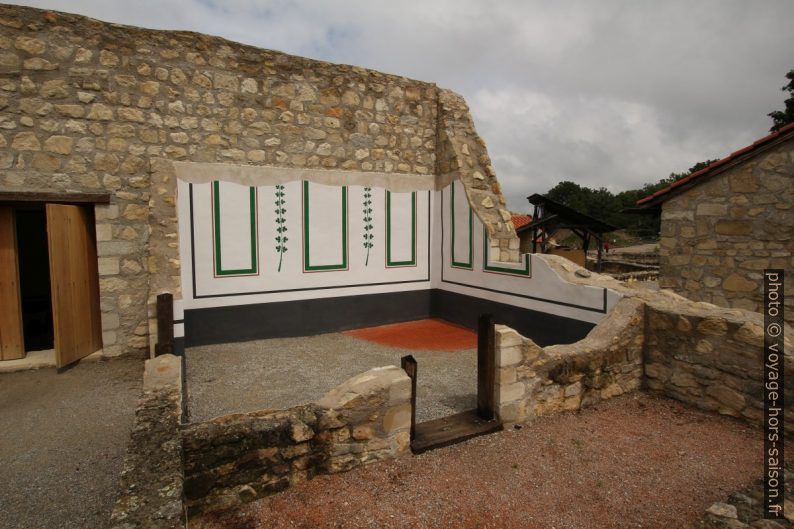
(281, 225)
(368, 236)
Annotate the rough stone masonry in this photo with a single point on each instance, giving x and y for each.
(719, 236)
(92, 106)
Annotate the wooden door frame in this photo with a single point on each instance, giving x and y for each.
(12, 338)
(14, 199)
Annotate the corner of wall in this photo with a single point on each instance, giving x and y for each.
(462, 155)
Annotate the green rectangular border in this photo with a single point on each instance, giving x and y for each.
(389, 262)
(459, 264)
(307, 266)
(501, 269)
(216, 211)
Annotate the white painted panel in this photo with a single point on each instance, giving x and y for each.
(234, 228)
(400, 230)
(179, 330)
(461, 233)
(325, 235)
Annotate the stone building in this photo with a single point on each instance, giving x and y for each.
(723, 225)
(183, 163)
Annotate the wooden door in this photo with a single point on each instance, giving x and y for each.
(74, 281)
(12, 345)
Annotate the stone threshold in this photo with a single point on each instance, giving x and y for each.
(39, 360)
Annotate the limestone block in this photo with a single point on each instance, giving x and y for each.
(506, 337)
(100, 111)
(510, 392)
(751, 334)
(37, 63)
(710, 209)
(733, 227)
(509, 412)
(301, 432)
(108, 265)
(713, 326)
(726, 396)
(508, 356)
(26, 141)
(161, 372)
(658, 371)
(684, 380)
(738, 283)
(397, 418)
(357, 389)
(59, 144)
(506, 375)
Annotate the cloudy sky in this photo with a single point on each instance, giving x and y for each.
(606, 93)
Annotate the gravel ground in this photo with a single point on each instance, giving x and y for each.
(633, 462)
(62, 443)
(283, 372)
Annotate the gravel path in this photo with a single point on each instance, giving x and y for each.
(62, 443)
(633, 462)
(284, 372)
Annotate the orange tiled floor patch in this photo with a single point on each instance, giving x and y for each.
(432, 335)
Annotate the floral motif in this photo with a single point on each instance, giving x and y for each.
(281, 225)
(368, 236)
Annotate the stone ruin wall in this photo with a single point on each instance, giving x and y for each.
(707, 356)
(534, 381)
(175, 470)
(719, 236)
(703, 355)
(89, 106)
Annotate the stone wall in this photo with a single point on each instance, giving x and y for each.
(707, 356)
(462, 154)
(92, 106)
(711, 359)
(719, 236)
(534, 381)
(151, 481)
(237, 458)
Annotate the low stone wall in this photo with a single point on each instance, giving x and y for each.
(707, 356)
(534, 381)
(234, 459)
(151, 482)
(711, 358)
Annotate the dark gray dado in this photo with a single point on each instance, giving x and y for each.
(240, 323)
(316, 316)
(544, 329)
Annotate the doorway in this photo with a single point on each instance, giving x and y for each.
(34, 279)
(49, 281)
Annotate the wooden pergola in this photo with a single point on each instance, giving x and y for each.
(550, 216)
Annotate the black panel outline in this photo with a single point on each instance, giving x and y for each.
(307, 289)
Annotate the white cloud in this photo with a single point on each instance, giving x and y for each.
(609, 93)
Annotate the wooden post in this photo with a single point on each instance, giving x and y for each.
(486, 367)
(408, 363)
(165, 325)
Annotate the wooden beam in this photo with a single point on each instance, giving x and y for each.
(408, 363)
(165, 325)
(486, 367)
(51, 197)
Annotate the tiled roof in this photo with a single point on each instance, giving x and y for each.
(520, 219)
(659, 195)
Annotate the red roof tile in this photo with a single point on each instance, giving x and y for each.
(521, 220)
(719, 163)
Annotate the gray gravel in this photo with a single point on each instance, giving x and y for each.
(62, 443)
(284, 372)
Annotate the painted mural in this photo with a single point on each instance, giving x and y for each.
(280, 242)
(303, 240)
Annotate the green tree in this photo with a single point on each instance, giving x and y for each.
(781, 118)
(605, 206)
